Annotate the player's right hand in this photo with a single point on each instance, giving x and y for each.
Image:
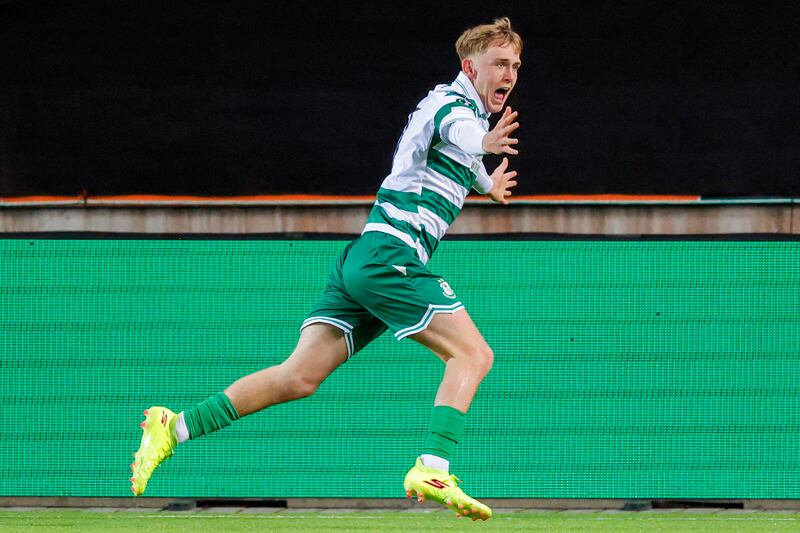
(499, 140)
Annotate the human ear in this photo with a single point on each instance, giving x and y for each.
(468, 67)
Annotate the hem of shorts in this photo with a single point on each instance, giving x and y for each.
(348, 333)
(423, 324)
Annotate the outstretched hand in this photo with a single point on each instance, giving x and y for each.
(503, 181)
(498, 141)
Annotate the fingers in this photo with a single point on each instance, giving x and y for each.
(506, 195)
(508, 140)
(498, 141)
(501, 170)
(506, 119)
(505, 134)
(509, 119)
(504, 141)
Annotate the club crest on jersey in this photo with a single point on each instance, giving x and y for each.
(467, 103)
(446, 290)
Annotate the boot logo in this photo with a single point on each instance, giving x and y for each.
(436, 483)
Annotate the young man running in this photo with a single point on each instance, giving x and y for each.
(380, 280)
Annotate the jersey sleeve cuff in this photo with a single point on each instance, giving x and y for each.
(483, 183)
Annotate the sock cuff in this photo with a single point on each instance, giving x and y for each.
(210, 415)
(227, 405)
(448, 422)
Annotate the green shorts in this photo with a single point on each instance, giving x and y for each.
(378, 282)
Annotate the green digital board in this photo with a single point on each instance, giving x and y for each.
(623, 369)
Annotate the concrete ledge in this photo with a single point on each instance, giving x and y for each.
(85, 502)
(660, 505)
(611, 219)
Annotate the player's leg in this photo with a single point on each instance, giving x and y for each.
(319, 351)
(468, 358)
(455, 339)
(385, 277)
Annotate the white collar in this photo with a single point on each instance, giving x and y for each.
(464, 83)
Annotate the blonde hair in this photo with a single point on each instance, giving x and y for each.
(480, 38)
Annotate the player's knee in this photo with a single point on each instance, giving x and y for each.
(304, 388)
(486, 359)
(298, 386)
(481, 359)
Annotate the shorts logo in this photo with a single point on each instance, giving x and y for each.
(446, 290)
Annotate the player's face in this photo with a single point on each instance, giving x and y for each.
(494, 74)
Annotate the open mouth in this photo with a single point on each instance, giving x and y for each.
(501, 93)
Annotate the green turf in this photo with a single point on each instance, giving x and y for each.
(123, 521)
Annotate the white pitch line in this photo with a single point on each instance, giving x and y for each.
(259, 517)
(299, 516)
(716, 518)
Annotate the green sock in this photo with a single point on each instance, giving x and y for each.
(211, 415)
(447, 423)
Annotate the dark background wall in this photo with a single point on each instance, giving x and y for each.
(262, 98)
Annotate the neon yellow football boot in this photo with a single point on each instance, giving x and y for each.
(158, 443)
(437, 485)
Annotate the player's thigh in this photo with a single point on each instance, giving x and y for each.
(455, 335)
(319, 351)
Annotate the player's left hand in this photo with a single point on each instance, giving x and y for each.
(503, 181)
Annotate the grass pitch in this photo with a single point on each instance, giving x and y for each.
(363, 521)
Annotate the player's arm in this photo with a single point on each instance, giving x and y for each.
(464, 132)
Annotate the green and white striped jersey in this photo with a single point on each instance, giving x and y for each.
(431, 175)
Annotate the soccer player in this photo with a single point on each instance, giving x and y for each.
(380, 280)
